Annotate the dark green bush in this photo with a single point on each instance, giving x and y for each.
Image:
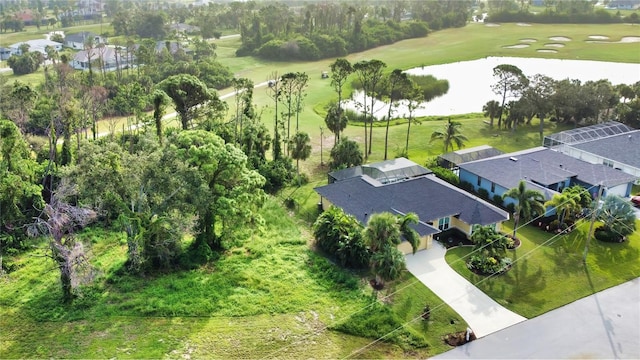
(497, 199)
(446, 175)
(483, 193)
(607, 235)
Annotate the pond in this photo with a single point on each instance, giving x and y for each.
(470, 81)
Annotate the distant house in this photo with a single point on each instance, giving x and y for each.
(612, 144)
(452, 160)
(184, 28)
(545, 170)
(38, 45)
(5, 53)
(438, 204)
(101, 58)
(78, 40)
(623, 4)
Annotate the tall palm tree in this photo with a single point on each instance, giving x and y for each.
(528, 202)
(565, 205)
(451, 135)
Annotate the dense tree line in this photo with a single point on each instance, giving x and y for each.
(555, 12)
(522, 98)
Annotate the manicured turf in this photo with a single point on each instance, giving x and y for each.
(548, 270)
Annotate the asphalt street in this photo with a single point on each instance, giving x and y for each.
(605, 325)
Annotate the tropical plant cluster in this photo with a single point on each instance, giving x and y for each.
(489, 256)
(374, 246)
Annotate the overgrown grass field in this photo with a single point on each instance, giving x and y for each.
(270, 296)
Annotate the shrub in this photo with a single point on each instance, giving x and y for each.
(340, 236)
(497, 199)
(488, 265)
(483, 193)
(446, 175)
(607, 235)
(465, 185)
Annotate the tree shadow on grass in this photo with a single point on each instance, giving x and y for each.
(611, 254)
(524, 281)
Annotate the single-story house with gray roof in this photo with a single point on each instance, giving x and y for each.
(621, 151)
(543, 169)
(438, 204)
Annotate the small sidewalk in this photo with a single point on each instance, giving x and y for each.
(483, 314)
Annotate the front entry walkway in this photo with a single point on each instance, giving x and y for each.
(483, 314)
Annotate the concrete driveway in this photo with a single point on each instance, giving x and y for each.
(483, 314)
(605, 325)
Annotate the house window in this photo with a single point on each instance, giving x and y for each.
(443, 224)
(608, 163)
(479, 180)
(493, 187)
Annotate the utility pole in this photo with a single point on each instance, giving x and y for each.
(593, 220)
(321, 136)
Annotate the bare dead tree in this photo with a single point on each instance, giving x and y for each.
(58, 221)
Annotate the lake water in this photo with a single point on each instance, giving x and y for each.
(470, 81)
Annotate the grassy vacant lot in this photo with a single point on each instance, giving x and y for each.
(548, 271)
(268, 297)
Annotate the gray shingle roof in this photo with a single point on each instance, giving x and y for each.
(80, 37)
(544, 166)
(623, 148)
(427, 196)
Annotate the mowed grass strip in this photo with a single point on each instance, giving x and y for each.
(548, 270)
(270, 296)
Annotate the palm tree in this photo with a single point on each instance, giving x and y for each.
(528, 202)
(383, 234)
(565, 205)
(300, 149)
(450, 135)
(491, 109)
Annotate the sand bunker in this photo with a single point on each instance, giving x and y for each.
(518, 46)
(630, 39)
(598, 37)
(626, 39)
(547, 51)
(523, 24)
(491, 24)
(558, 45)
(559, 38)
(528, 40)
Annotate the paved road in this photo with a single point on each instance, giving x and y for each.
(605, 325)
(483, 314)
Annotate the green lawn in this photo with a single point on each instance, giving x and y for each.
(548, 271)
(270, 296)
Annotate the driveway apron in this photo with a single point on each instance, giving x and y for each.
(483, 314)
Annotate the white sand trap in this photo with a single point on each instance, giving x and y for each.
(558, 45)
(517, 46)
(523, 24)
(626, 39)
(630, 39)
(547, 51)
(528, 40)
(559, 38)
(491, 24)
(598, 37)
